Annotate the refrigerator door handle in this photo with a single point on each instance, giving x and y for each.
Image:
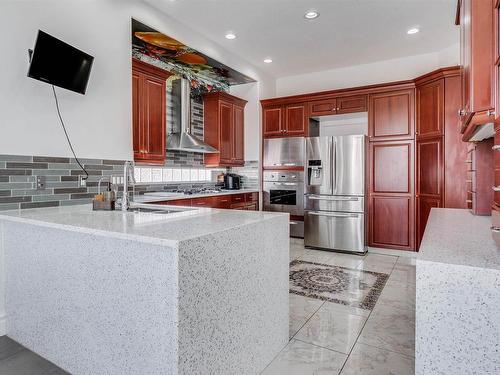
(326, 198)
(339, 215)
(333, 158)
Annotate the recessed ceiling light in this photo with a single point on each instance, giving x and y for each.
(268, 60)
(230, 36)
(311, 14)
(413, 30)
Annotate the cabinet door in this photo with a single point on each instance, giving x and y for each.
(239, 135)
(391, 115)
(226, 132)
(391, 167)
(430, 167)
(391, 188)
(430, 105)
(223, 201)
(154, 118)
(391, 222)
(273, 121)
(424, 206)
(296, 120)
(323, 107)
(136, 115)
(351, 104)
(430, 180)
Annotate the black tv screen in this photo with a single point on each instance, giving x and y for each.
(59, 64)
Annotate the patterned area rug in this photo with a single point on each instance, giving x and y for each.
(350, 287)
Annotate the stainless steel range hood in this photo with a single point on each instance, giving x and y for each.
(183, 140)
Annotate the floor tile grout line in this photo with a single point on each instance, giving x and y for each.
(388, 350)
(366, 321)
(302, 326)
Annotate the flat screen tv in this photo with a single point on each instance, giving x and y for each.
(59, 64)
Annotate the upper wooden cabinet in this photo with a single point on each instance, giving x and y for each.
(289, 120)
(148, 112)
(496, 60)
(430, 109)
(391, 115)
(338, 105)
(295, 120)
(477, 59)
(224, 118)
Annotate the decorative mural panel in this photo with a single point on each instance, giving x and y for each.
(205, 73)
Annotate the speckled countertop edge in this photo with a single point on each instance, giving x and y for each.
(455, 236)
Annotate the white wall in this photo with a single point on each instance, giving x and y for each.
(359, 75)
(347, 124)
(99, 123)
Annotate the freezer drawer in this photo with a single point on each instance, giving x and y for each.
(334, 203)
(335, 230)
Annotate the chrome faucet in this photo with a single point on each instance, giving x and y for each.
(128, 176)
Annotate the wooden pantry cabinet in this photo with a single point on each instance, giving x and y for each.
(224, 129)
(148, 112)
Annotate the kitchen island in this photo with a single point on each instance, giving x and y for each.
(202, 291)
(457, 296)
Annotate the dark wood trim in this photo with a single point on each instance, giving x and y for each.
(150, 69)
(218, 95)
(381, 87)
(449, 71)
(478, 119)
(297, 217)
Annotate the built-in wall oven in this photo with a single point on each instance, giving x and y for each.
(283, 191)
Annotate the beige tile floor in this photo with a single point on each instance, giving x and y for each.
(328, 338)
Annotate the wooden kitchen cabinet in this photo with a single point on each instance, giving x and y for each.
(391, 195)
(285, 120)
(224, 121)
(296, 120)
(391, 115)
(476, 20)
(338, 105)
(272, 121)
(236, 201)
(148, 112)
(391, 222)
(430, 109)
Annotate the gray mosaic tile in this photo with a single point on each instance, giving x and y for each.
(19, 165)
(15, 199)
(50, 159)
(70, 190)
(48, 198)
(15, 172)
(16, 158)
(39, 204)
(9, 206)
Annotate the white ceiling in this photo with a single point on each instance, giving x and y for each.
(348, 32)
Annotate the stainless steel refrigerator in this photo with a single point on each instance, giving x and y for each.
(334, 188)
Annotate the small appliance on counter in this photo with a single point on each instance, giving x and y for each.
(232, 181)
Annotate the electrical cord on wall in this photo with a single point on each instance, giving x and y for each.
(66, 134)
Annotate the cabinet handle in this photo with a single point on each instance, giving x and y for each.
(496, 148)
(495, 229)
(224, 201)
(496, 188)
(490, 113)
(461, 112)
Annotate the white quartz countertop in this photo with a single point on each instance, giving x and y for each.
(455, 236)
(144, 226)
(162, 196)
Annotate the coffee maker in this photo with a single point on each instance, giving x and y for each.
(232, 181)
